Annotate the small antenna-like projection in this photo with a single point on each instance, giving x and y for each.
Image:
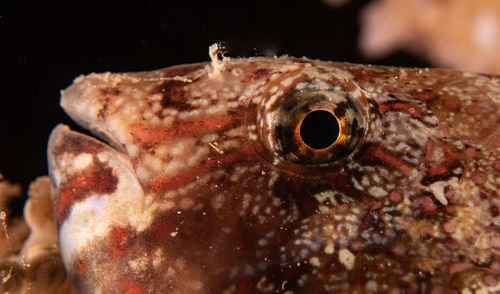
(218, 65)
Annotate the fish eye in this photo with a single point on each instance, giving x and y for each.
(313, 127)
(319, 129)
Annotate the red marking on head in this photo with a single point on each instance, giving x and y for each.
(348, 85)
(395, 196)
(448, 227)
(438, 165)
(437, 170)
(450, 209)
(424, 96)
(391, 106)
(375, 205)
(163, 184)
(132, 287)
(147, 134)
(459, 266)
(367, 221)
(428, 205)
(255, 76)
(119, 240)
(479, 178)
(398, 251)
(363, 77)
(470, 152)
(389, 159)
(99, 180)
(450, 104)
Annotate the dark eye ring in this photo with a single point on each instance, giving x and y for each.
(314, 127)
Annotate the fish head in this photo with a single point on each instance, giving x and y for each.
(278, 174)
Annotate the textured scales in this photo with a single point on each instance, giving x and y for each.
(203, 190)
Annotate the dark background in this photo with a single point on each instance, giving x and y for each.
(44, 46)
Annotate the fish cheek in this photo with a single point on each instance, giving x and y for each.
(98, 205)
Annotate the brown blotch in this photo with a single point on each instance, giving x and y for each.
(73, 144)
(494, 210)
(173, 95)
(257, 75)
(181, 70)
(98, 179)
(101, 115)
(111, 91)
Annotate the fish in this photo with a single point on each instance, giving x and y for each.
(279, 175)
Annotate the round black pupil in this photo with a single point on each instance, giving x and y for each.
(319, 129)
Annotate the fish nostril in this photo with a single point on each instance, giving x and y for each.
(319, 129)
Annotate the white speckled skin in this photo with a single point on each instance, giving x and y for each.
(206, 186)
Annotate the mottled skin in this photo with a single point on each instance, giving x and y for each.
(208, 188)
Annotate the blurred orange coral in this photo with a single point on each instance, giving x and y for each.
(461, 34)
